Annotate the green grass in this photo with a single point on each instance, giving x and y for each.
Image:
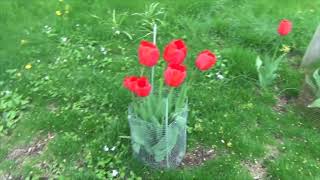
(74, 90)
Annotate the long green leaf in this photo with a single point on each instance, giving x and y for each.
(315, 104)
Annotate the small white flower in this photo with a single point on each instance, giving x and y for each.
(117, 32)
(46, 78)
(64, 39)
(222, 141)
(7, 92)
(114, 173)
(113, 148)
(103, 50)
(77, 25)
(89, 57)
(105, 148)
(220, 77)
(38, 61)
(47, 29)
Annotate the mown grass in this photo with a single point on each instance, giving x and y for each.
(74, 90)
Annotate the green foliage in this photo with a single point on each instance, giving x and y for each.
(315, 104)
(105, 164)
(152, 108)
(314, 82)
(147, 119)
(153, 14)
(157, 139)
(116, 23)
(11, 106)
(267, 69)
(241, 61)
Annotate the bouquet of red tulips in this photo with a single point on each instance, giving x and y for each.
(158, 113)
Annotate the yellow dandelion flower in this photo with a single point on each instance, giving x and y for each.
(28, 66)
(229, 144)
(285, 49)
(58, 13)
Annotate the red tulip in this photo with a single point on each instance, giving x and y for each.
(205, 60)
(148, 54)
(129, 82)
(142, 87)
(175, 52)
(175, 74)
(285, 27)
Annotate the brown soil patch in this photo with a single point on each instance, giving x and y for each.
(306, 97)
(272, 152)
(198, 156)
(53, 107)
(257, 169)
(281, 104)
(294, 58)
(36, 148)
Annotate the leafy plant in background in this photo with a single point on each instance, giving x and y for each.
(116, 23)
(314, 82)
(11, 105)
(153, 14)
(268, 67)
(161, 107)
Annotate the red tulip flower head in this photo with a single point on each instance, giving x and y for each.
(129, 82)
(142, 87)
(175, 52)
(205, 60)
(148, 54)
(285, 27)
(175, 74)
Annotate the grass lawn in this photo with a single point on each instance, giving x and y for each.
(61, 69)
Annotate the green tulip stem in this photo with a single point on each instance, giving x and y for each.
(142, 71)
(152, 77)
(166, 130)
(277, 49)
